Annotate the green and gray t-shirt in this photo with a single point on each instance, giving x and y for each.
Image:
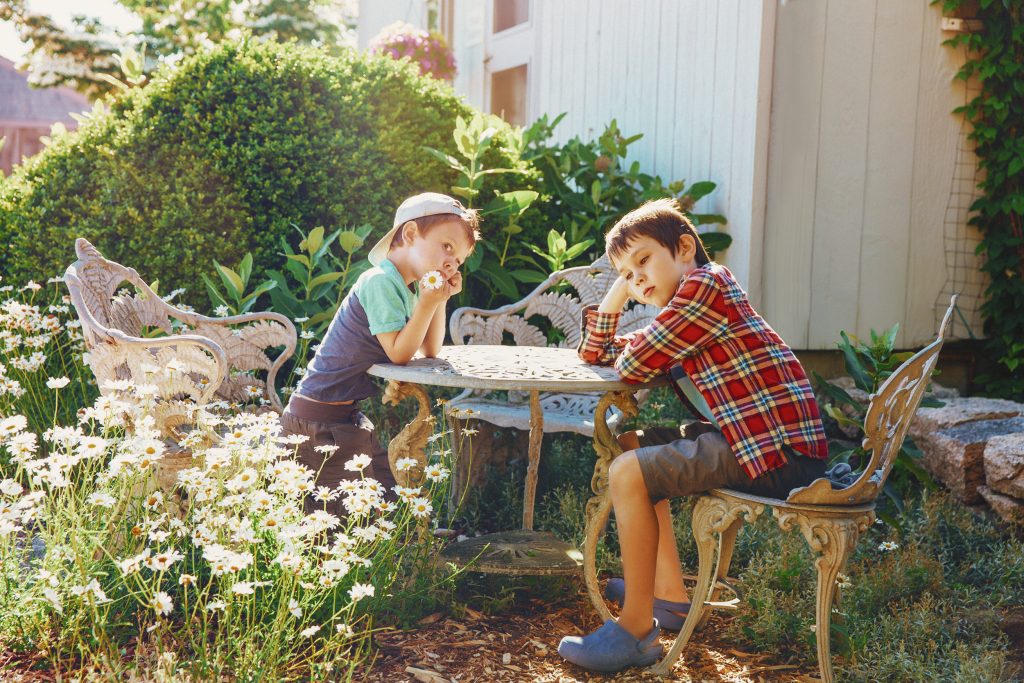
(378, 302)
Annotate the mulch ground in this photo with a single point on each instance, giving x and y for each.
(522, 646)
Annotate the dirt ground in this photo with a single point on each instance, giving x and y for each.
(522, 647)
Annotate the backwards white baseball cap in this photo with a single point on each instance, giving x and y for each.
(417, 206)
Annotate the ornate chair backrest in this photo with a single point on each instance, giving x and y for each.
(890, 412)
(131, 335)
(560, 307)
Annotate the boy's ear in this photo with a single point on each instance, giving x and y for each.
(409, 231)
(687, 247)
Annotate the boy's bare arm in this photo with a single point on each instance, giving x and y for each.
(435, 332)
(616, 297)
(425, 329)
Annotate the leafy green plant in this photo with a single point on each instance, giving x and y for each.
(318, 277)
(995, 61)
(558, 252)
(591, 185)
(473, 139)
(234, 300)
(869, 365)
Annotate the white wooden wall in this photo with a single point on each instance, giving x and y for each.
(827, 125)
(692, 75)
(861, 167)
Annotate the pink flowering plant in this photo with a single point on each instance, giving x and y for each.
(427, 50)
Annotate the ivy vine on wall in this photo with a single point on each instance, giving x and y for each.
(995, 57)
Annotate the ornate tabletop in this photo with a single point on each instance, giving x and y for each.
(524, 368)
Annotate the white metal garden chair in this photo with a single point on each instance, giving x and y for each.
(217, 357)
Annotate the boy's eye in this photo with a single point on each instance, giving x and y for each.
(629, 276)
(643, 260)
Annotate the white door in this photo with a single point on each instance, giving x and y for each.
(508, 51)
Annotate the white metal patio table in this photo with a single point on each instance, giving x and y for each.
(532, 369)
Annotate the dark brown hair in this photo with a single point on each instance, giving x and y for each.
(663, 221)
(470, 223)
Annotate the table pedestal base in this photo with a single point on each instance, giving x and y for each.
(519, 552)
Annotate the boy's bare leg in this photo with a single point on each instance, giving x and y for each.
(638, 537)
(668, 581)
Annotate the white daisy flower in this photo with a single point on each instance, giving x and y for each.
(57, 382)
(436, 473)
(360, 591)
(405, 464)
(162, 603)
(421, 507)
(358, 463)
(221, 311)
(431, 280)
(307, 632)
(888, 545)
(101, 499)
(293, 607)
(9, 487)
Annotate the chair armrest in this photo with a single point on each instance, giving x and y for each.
(116, 347)
(287, 338)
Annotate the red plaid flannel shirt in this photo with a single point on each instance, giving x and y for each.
(754, 385)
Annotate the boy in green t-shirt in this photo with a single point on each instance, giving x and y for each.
(394, 310)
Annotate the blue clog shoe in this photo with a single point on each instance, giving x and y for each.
(611, 648)
(670, 615)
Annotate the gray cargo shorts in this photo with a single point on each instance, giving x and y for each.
(696, 458)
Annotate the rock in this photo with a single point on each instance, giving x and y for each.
(960, 410)
(955, 455)
(1010, 509)
(1004, 464)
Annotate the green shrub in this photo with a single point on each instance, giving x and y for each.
(222, 155)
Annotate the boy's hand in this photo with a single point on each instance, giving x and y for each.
(448, 288)
(455, 284)
(616, 298)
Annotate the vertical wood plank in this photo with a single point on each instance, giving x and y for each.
(890, 162)
(839, 208)
(670, 64)
(793, 151)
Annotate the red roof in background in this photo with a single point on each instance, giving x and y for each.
(22, 104)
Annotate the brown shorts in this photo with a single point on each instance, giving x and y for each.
(702, 460)
(343, 426)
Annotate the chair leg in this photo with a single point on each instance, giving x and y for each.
(726, 545)
(712, 516)
(832, 538)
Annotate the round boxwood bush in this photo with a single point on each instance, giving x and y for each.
(222, 154)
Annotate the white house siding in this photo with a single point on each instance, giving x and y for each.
(827, 125)
(862, 154)
(693, 76)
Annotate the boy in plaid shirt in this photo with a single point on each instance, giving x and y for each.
(761, 431)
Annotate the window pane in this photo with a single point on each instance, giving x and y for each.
(508, 94)
(509, 13)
